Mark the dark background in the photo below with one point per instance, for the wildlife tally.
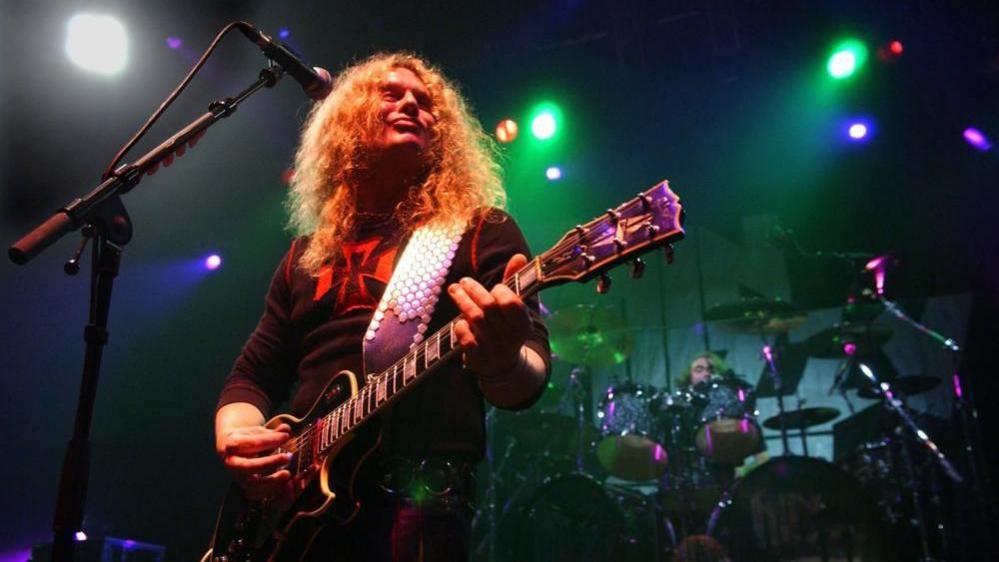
(727, 99)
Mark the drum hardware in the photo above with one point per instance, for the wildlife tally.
(909, 385)
(755, 315)
(762, 316)
(897, 406)
(801, 419)
(907, 423)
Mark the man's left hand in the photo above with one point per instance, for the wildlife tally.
(494, 324)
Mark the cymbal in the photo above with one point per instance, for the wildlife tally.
(543, 433)
(755, 315)
(833, 343)
(800, 419)
(908, 385)
(590, 335)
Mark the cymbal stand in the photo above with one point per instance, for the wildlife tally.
(768, 355)
(580, 396)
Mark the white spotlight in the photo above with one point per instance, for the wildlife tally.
(97, 43)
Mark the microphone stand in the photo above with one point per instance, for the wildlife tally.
(965, 406)
(108, 225)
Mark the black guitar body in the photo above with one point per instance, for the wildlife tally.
(283, 529)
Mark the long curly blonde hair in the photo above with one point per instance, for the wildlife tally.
(462, 176)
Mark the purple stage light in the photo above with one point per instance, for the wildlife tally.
(977, 139)
(213, 262)
(174, 42)
(858, 131)
(284, 33)
(80, 536)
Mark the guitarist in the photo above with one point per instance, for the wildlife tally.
(392, 148)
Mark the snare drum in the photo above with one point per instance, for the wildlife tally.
(728, 431)
(630, 447)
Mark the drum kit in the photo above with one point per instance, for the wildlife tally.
(639, 472)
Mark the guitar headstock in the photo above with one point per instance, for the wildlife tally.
(652, 219)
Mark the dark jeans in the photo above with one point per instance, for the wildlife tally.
(392, 528)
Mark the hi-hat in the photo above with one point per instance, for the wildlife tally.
(590, 335)
(756, 315)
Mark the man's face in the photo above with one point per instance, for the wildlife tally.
(700, 370)
(405, 109)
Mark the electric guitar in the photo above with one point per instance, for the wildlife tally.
(282, 529)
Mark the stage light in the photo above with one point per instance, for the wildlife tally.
(857, 130)
(977, 139)
(506, 131)
(890, 51)
(284, 33)
(543, 126)
(174, 42)
(97, 43)
(847, 57)
(553, 173)
(213, 262)
(80, 536)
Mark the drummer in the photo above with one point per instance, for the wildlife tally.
(709, 367)
(704, 367)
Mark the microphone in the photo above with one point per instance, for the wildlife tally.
(316, 81)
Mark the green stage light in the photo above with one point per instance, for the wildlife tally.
(545, 121)
(846, 59)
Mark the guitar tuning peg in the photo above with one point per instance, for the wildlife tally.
(603, 284)
(668, 252)
(637, 268)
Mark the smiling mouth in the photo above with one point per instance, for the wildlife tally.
(407, 125)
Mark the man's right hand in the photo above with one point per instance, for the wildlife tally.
(246, 448)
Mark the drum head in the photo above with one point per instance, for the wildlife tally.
(800, 508)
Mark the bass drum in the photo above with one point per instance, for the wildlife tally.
(573, 517)
(799, 508)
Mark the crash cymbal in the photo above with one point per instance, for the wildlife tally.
(756, 315)
(590, 335)
(543, 433)
(800, 419)
(846, 339)
(908, 385)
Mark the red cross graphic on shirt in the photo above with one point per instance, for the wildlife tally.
(363, 262)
